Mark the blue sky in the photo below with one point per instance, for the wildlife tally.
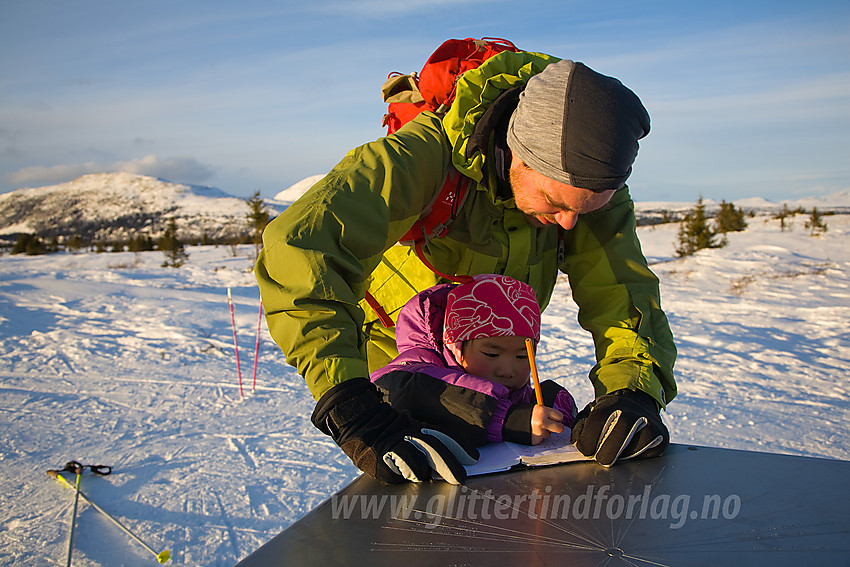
(746, 98)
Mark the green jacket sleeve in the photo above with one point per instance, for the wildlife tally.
(319, 253)
(619, 303)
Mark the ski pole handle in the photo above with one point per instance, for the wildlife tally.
(161, 557)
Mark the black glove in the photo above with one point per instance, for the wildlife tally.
(387, 445)
(618, 426)
(517, 425)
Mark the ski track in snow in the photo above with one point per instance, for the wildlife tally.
(111, 359)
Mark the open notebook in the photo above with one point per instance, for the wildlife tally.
(499, 457)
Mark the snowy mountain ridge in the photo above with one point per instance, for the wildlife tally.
(114, 206)
(834, 203)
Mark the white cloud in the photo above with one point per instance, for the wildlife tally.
(40, 175)
(183, 169)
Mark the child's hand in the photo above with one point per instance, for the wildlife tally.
(545, 421)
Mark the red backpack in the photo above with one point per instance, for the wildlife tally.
(434, 89)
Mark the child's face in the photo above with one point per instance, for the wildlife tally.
(500, 359)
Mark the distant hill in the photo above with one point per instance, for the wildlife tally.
(836, 202)
(651, 212)
(114, 207)
(109, 207)
(291, 194)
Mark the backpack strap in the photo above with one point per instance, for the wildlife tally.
(385, 319)
(432, 223)
(441, 211)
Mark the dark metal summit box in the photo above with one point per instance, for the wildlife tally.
(692, 506)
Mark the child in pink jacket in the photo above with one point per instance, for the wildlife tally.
(463, 364)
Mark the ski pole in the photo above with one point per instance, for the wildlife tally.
(235, 344)
(77, 468)
(161, 557)
(257, 347)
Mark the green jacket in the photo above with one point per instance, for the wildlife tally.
(325, 250)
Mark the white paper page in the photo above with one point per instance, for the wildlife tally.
(494, 457)
(498, 457)
(554, 443)
(554, 449)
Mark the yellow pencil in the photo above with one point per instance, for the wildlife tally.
(529, 346)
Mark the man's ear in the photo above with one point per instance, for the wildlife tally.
(515, 159)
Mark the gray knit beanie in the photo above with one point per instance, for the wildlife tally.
(578, 127)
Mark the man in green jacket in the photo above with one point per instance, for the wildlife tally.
(548, 145)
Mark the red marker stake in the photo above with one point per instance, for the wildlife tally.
(235, 344)
(257, 348)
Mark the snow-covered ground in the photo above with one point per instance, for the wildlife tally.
(111, 359)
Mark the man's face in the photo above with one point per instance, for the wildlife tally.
(545, 201)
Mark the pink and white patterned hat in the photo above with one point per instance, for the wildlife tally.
(490, 306)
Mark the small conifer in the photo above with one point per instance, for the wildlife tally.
(729, 219)
(175, 254)
(815, 223)
(696, 233)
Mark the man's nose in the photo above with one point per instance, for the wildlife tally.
(566, 219)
